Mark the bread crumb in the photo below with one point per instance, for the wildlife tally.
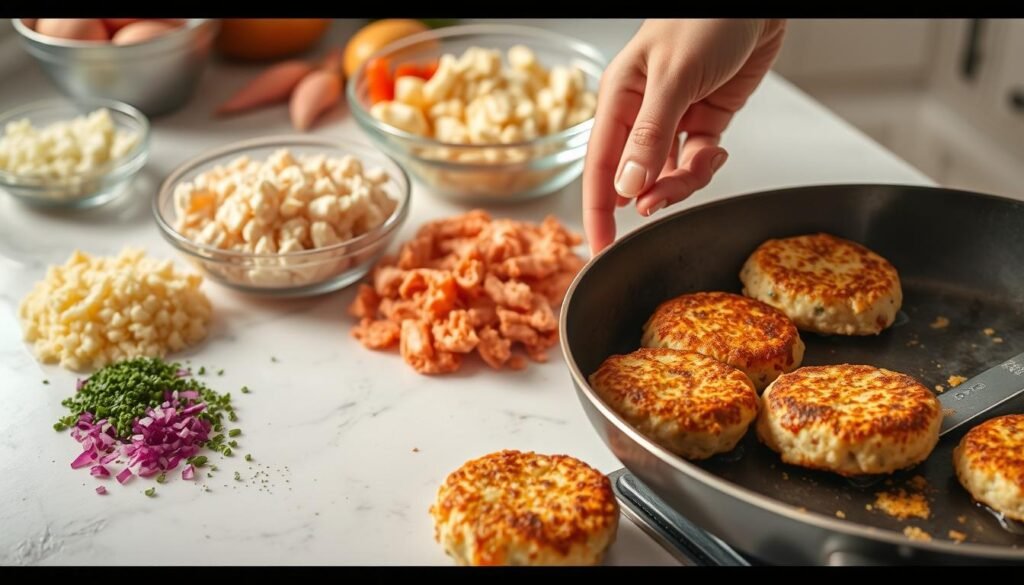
(940, 322)
(918, 482)
(955, 380)
(948, 412)
(939, 388)
(915, 533)
(868, 507)
(912, 343)
(989, 331)
(957, 536)
(801, 509)
(997, 340)
(785, 476)
(840, 514)
(961, 519)
(901, 504)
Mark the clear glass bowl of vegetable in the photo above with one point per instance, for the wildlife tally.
(478, 173)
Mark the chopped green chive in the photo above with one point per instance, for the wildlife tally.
(273, 359)
(150, 492)
(233, 444)
(202, 370)
(238, 476)
(122, 393)
(197, 460)
(248, 456)
(234, 432)
(162, 478)
(46, 381)
(220, 372)
(245, 390)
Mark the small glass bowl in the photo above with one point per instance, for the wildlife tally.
(305, 273)
(463, 172)
(83, 190)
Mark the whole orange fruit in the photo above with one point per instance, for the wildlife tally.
(258, 39)
(376, 35)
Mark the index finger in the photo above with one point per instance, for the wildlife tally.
(616, 109)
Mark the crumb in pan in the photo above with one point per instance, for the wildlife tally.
(915, 533)
(955, 380)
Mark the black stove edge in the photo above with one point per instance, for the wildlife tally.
(680, 537)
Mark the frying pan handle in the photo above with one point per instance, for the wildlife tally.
(982, 393)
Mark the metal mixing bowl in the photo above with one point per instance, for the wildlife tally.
(156, 76)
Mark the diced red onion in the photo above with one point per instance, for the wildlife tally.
(101, 490)
(84, 458)
(124, 476)
(161, 439)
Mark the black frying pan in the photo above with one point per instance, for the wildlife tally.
(959, 254)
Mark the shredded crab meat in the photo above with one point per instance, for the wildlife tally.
(469, 284)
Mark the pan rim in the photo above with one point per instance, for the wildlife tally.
(729, 488)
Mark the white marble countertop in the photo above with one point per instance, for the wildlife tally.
(356, 443)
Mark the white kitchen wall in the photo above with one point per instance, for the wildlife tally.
(902, 82)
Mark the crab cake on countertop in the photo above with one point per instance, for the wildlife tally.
(515, 508)
(825, 284)
(989, 463)
(692, 405)
(850, 419)
(745, 333)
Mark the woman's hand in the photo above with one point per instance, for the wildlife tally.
(674, 76)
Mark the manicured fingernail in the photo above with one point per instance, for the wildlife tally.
(656, 207)
(631, 180)
(718, 161)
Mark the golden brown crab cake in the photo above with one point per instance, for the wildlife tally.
(747, 334)
(692, 405)
(515, 508)
(825, 284)
(850, 419)
(989, 463)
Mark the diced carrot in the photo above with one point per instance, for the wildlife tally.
(381, 84)
(425, 71)
(407, 70)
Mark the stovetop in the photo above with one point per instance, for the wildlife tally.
(689, 544)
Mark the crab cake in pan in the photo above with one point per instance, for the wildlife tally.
(825, 284)
(745, 333)
(692, 405)
(515, 508)
(850, 419)
(989, 463)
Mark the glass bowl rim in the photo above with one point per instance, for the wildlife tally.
(28, 183)
(214, 254)
(571, 43)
